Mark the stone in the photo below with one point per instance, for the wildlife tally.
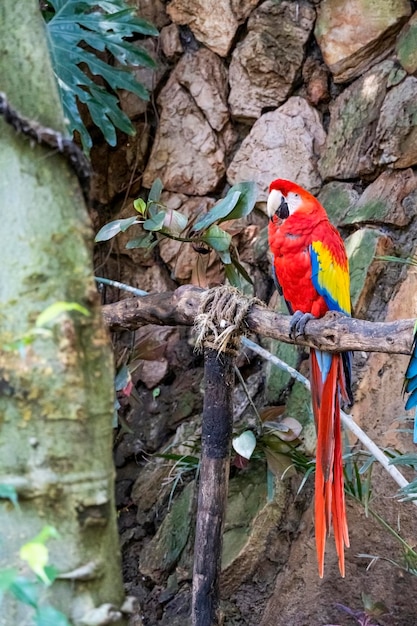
(213, 22)
(353, 35)
(386, 200)
(316, 78)
(276, 379)
(149, 358)
(379, 400)
(181, 257)
(190, 263)
(299, 407)
(114, 168)
(170, 41)
(152, 278)
(251, 526)
(153, 11)
(188, 154)
(363, 248)
(147, 486)
(396, 134)
(406, 46)
(151, 373)
(128, 159)
(130, 103)
(204, 76)
(247, 497)
(284, 143)
(266, 63)
(163, 551)
(338, 199)
(242, 408)
(350, 145)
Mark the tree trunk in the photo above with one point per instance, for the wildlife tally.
(56, 401)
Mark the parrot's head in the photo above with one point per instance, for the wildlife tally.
(286, 198)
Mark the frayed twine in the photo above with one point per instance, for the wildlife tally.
(221, 319)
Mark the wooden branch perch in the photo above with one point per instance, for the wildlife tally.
(332, 333)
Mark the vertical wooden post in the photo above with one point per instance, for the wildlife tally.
(214, 478)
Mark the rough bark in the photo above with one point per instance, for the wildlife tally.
(216, 436)
(56, 400)
(332, 333)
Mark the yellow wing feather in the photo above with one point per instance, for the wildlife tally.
(330, 277)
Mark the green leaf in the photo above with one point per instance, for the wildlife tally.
(48, 616)
(220, 210)
(245, 444)
(122, 378)
(51, 573)
(232, 275)
(246, 202)
(239, 267)
(110, 230)
(140, 206)
(225, 257)
(145, 241)
(36, 555)
(76, 28)
(25, 590)
(155, 191)
(174, 222)
(7, 576)
(217, 238)
(155, 222)
(53, 311)
(8, 492)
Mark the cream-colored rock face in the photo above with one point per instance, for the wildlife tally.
(265, 64)
(282, 144)
(213, 22)
(354, 34)
(188, 153)
(350, 146)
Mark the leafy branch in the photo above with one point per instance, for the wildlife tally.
(157, 221)
(74, 28)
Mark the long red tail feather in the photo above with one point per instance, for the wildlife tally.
(327, 381)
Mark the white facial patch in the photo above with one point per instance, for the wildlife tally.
(293, 200)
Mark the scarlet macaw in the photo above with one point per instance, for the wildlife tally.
(410, 383)
(312, 273)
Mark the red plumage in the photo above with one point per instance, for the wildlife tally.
(311, 268)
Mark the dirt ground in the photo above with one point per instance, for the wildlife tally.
(280, 586)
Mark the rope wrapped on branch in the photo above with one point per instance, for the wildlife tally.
(332, 333)
(220, 322)
(221, 319)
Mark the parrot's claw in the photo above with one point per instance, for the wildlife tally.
(298, 323)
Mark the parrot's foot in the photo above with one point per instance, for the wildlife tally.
(298, 323)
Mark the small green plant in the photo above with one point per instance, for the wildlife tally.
(156, 221)
(43, 324)
(182, 466)
(358, 474)
(408, 460)
(76, 31)
(366, 616)
(277, 441)
(30, 590)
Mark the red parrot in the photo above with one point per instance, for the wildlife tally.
(312, 273)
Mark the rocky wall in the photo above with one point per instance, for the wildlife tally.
(323, 93)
